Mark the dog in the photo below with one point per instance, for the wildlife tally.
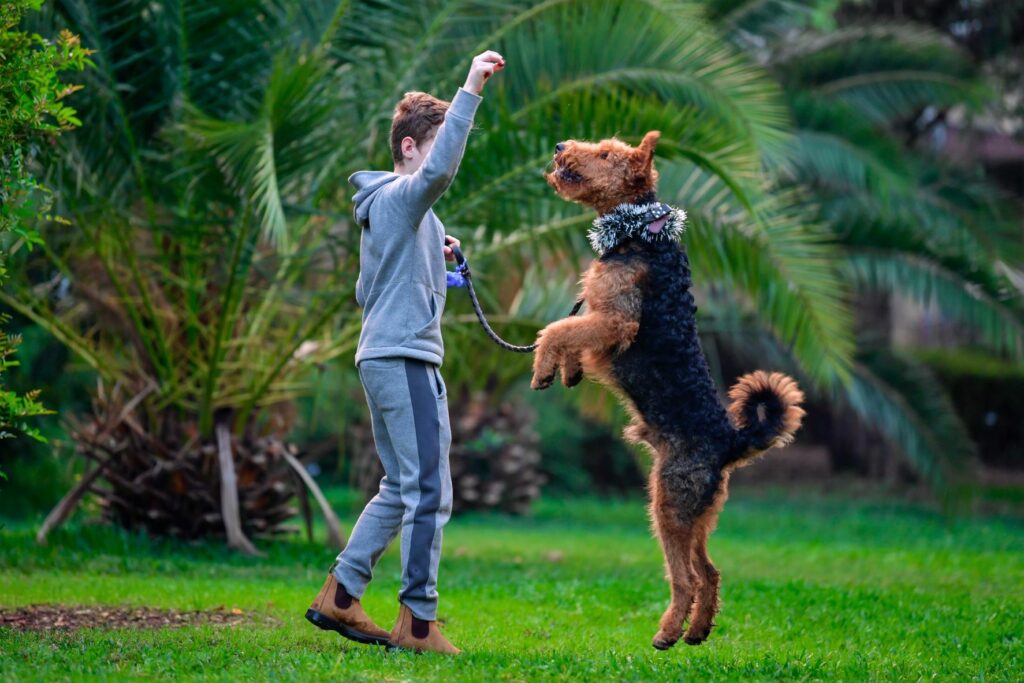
(639, 337)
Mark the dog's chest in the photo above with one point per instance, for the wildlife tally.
(664, 371)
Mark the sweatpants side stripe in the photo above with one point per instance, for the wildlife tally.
(428, 445)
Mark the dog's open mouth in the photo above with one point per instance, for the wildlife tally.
(568, 175)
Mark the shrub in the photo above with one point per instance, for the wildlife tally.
(32, 109)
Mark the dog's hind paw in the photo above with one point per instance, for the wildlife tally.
(698, 633)
(661, 643)
(695, 638)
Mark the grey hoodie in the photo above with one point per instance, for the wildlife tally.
(401, 284)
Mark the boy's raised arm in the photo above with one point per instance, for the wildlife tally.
(428, 183)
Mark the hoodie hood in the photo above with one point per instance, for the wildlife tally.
(367, 183)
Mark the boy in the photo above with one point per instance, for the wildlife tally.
(402, 290)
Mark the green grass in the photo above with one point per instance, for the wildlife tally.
(813, 588)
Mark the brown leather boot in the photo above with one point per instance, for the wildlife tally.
(335, 610)
(411, 633)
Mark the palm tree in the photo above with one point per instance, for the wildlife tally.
(906, 223)
(186, 295)
(211, 261)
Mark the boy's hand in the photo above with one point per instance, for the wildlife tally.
(485, 65)
(449, 255)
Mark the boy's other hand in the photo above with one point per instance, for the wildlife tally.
(484, 65)
(449, 255)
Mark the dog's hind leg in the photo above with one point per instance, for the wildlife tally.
(676, 541)
(705, 604)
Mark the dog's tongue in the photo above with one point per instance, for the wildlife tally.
(657, 225)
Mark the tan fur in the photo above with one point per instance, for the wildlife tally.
(788, 392)
(705, 605)
(693, 579)
(613, 172)
(677, 540)
(586, 343)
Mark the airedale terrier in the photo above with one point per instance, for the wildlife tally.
(639, 337)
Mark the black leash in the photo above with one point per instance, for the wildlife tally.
(462, 268)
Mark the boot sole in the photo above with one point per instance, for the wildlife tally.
(416, 651)
(327, 624)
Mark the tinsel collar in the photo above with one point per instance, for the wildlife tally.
(650, 222)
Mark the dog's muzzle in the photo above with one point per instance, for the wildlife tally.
(568, 175)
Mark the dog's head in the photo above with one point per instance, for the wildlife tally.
(604, 174)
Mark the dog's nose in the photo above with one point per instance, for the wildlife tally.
(560, 147)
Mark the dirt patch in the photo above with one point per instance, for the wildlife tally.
(51, 617)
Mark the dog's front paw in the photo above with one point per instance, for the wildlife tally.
(572, 372)
(539, 383)
(545, 365)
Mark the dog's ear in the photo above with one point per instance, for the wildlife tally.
(643, 156)
(646, 148)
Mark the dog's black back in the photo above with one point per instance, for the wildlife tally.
(665, 374)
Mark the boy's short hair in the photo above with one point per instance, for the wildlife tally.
(417, 115)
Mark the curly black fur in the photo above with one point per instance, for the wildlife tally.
(666, 376)
(763, 429)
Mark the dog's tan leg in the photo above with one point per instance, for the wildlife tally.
(706, 602)
(705, 605)
(676, 541)
(545, 364)
(614, 298)
(562, 343)
(572, 370)
(551, 346)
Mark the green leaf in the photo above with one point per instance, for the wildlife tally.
(899, 396)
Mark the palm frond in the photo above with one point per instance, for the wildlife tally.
(928, 282)
(860, 174)
(901, 398)
(660, 48)
(787, 272)
(886, 73)
(267, 156)
(750, 20)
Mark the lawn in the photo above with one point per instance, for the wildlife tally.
(813, 588)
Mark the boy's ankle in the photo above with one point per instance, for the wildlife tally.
(421, 635)
(335, 609)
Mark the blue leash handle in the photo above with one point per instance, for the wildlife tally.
(460, 276)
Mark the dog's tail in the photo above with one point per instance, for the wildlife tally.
(766, 411)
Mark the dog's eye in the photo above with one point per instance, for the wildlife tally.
(604, 155)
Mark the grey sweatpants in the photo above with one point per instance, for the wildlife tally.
(409, 411)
